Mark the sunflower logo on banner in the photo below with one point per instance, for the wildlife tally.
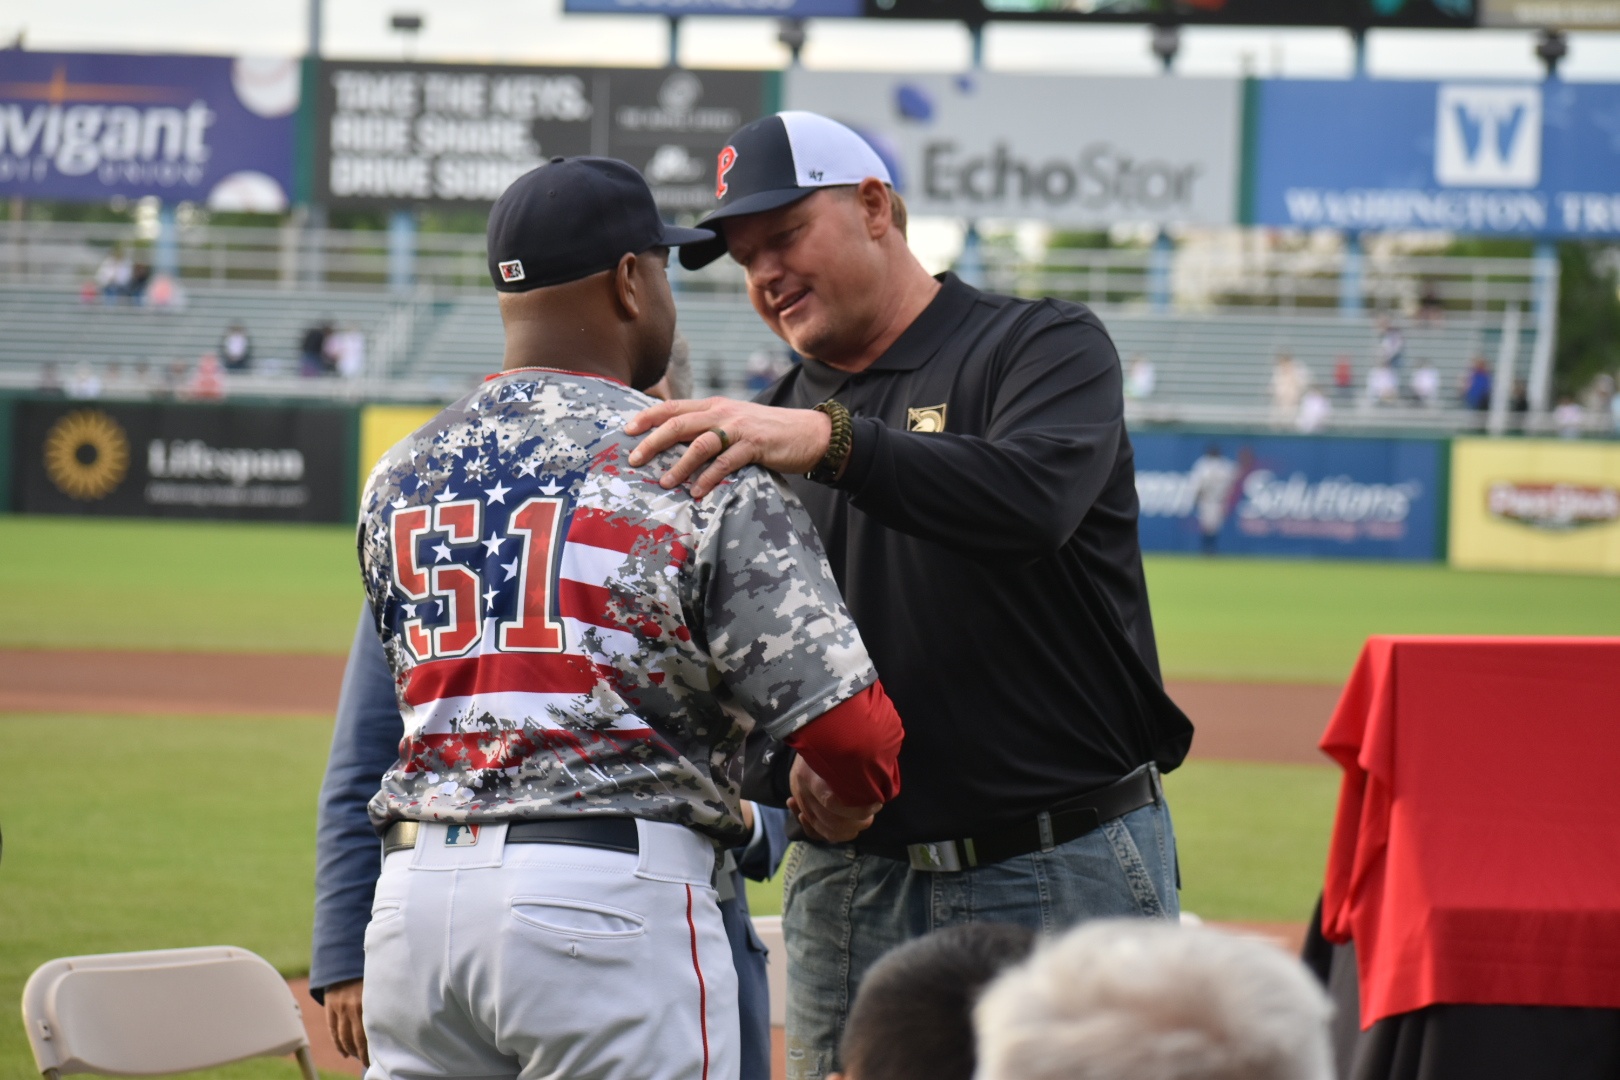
(86, 455)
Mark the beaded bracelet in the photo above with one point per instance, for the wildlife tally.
(843, 435)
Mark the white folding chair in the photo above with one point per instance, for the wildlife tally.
(153, 1013)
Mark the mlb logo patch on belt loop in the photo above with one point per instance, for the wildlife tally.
(461, 836)
(511, 270)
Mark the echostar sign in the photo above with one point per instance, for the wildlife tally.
(1087, 152)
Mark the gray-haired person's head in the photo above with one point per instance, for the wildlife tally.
(1126, 999)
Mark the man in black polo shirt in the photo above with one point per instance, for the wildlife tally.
(973, 483)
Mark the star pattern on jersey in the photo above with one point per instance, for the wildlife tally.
(511, 569)
(551, 488)
(399, 503)
(444, 496)
(498, 493)
(489, 597)
(441, 553)
(410, 610)
(527, 468)
(493, 544)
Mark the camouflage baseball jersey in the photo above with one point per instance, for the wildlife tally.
(568, 637)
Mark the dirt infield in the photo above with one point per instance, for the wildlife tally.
(1270, 722)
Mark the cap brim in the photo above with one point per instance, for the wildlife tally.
(673, 236)
(698, 255)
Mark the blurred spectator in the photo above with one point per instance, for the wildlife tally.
(1519, 400)
(208, 381)
(165, 294)
(1344, 378)
(1476, 393)
(913, 1016)
(50, 379)
(1140, 998)
(113, 275)
(1141, 379)
(236, 348)
(1425, 383)
(312, 359)
(347, 352)
(139, 278)
(1391, 343)
(765, 366)
(1212, 478)
(1431, 309)
(1383, 385)
(1288, 381)
(1314, 409)
(1569, 419)
(84, 382)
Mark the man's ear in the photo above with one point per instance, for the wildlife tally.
(873, 195)
(624, 286)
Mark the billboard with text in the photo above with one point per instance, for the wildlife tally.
(86, 127)
(404, 134)
(1323, 497)
(1087, 152)
(1526, 159)
(1535, 504)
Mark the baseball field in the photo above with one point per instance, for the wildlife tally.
(165, 697)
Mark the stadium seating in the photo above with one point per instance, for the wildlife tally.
(434, 347)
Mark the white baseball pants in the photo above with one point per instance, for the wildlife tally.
(550, 961)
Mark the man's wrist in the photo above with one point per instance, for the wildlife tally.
(840, 439)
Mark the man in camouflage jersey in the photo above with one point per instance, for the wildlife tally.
(578, 656)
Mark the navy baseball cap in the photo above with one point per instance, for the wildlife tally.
(571, 218)
(779, 160)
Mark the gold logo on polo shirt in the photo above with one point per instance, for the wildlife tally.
(927, 418)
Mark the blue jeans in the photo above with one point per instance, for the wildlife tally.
(842, 910)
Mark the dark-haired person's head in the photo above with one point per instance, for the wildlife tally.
(579, 254)
(913, 1016)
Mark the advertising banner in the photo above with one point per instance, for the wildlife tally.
(1087, 152)
(446, 135)
(777, 9)
(381, 426)
(260, 463)
(1567, 14)
(1341, 498)
(1535, 504)
(84, 127)
(1524, 159)
(1458, 14)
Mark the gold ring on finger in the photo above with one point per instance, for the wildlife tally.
(725, 440)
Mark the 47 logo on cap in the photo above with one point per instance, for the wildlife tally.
(728, 158)
(511, 270)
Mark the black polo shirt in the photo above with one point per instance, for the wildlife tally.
(984, 536)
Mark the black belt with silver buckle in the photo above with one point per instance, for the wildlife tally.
(1058, 824)
(612, 833)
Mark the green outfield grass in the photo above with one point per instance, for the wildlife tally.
(143, 833)
(72, 582)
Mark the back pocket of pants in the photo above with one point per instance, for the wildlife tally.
(576, 918)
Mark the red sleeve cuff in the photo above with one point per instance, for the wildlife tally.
(855, 747)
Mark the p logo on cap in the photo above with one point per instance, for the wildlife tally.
(511, 270)
(728, 158)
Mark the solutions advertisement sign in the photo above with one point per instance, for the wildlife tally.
(1084, 152)
(399, 134)
(1535, 504)
(1291, 495)
(84, 127)
(1525, 159)
(261, 463)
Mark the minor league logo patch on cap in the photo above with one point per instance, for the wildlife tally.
(728, 158)
(511, 270)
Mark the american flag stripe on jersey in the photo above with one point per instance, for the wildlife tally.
(597, 632)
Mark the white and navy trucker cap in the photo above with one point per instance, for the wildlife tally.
(778, 160)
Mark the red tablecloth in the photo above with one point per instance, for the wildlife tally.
(1476, 853)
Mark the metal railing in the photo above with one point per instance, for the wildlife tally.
(1195, 277)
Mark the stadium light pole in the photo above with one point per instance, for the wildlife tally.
(315, 212)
